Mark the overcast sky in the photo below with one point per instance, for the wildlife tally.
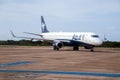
(99, 16)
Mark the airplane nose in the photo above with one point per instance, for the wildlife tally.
(99, 42)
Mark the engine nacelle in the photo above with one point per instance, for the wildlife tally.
(58, 44)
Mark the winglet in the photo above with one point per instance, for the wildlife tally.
(12, 33)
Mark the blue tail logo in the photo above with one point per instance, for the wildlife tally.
(43, 25)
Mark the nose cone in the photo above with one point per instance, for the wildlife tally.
(98, 42)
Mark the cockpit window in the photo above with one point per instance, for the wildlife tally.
(95, 36)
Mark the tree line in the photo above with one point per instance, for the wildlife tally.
(45, 43)
(25, 43)
(111, 44)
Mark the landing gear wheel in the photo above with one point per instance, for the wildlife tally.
(92, 50)
(55, 48)
(75, 48)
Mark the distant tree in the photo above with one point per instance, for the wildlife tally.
(46, 43)
(111, 44)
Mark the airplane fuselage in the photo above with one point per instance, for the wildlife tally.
(84, 37)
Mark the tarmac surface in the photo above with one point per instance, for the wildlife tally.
(42, 63)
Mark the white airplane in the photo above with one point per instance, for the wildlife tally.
(59, 39)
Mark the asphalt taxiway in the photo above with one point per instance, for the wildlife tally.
(42, 63)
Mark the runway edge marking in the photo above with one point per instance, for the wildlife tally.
(10, 64)
(64, 72)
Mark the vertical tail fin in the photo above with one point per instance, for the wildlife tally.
(43, 25)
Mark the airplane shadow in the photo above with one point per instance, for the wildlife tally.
(95, 51)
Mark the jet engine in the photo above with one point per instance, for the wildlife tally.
(58, 44)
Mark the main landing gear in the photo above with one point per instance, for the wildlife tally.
(75, 48)
(92, 50)
(55, 48)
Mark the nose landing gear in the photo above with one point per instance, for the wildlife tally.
(89, 47)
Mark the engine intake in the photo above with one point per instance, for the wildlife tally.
(58, 44)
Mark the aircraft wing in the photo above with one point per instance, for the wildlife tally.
(63, 40)
(33, 34)
(40, 39)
